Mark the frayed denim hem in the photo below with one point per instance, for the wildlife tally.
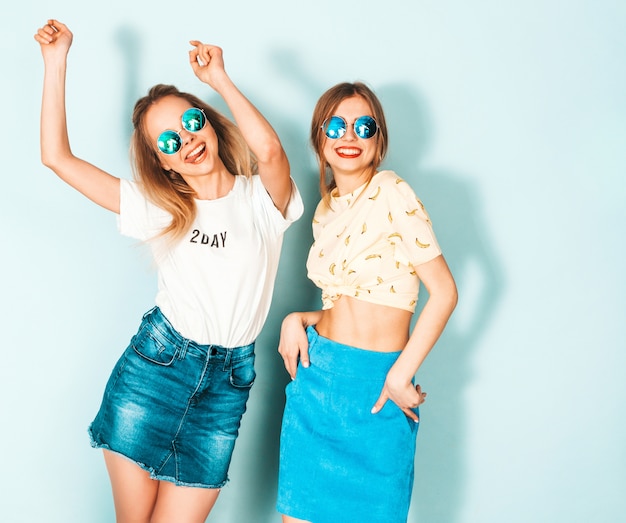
(151, 471)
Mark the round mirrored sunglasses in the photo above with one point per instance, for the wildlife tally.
(170, 142)
(335, 127)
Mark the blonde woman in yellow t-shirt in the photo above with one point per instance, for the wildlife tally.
(351, 417)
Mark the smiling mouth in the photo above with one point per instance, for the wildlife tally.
(197, 154)
(348, 152)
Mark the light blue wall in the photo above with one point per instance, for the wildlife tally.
(509, 119)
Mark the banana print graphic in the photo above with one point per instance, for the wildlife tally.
(427, 218)
(364, 245)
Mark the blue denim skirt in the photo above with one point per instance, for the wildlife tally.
(173, 406)
(338, 461)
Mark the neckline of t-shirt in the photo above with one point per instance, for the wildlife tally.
(228, 195)
(354, 194)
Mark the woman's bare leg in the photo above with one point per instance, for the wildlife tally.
(134, 492)
(289, 519)
(183, 504)
(140, 499)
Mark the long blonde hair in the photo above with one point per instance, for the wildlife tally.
(167, 189)
(325, 108)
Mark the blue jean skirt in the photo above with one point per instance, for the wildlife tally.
(173, 406)
(338, 461)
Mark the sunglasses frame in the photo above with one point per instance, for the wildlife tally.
(169, 135)
(342, 131)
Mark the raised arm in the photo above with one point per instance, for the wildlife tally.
(55, 40)
(208, 65)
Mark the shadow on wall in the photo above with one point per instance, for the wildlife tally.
(455, 209)
(128, 43)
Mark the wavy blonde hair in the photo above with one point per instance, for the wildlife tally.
(325, 108)
(167, 189)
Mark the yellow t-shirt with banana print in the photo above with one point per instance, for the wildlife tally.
(367, 243)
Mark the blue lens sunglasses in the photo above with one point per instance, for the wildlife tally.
(193, 120)
(335, 127)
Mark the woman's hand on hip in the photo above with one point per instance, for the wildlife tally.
(294, 343)
(403, 393)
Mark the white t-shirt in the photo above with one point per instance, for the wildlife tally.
(215, 284)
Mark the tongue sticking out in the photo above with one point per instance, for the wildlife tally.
(197, 154)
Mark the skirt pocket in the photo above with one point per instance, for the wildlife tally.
(242, 373)
(150, 345)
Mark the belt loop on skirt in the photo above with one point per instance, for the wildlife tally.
(182, 352)
(228, 358)
(147, 313)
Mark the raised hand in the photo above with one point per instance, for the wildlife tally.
(55, 39)
(207, 63)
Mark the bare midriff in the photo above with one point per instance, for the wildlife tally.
(365, 325)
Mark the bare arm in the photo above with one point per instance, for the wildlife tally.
(294, 344)
(442, 300)
(55, 40)
(208, 65)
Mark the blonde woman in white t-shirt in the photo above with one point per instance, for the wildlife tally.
(212, 200)
(351, 417)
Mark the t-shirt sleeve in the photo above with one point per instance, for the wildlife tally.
(274, 218)
(138, 217)
(411, 229)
